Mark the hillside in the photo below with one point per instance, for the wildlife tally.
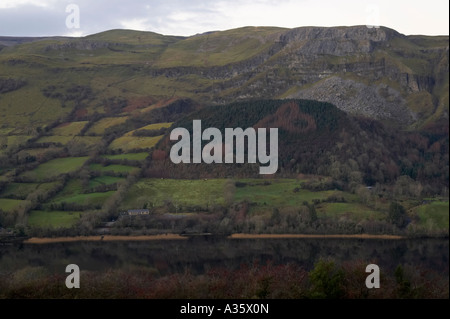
(374, 72)
(84, 120)
(317, 138)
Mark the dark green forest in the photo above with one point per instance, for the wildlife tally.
(318, 139)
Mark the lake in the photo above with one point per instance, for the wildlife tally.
(200, 254)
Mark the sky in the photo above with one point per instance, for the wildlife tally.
(185, 18)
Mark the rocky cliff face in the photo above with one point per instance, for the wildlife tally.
(364, 71)
(377, 101)
(339, 41)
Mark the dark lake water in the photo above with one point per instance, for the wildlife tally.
(201, 254)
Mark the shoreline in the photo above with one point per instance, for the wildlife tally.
(306, 236)
(49, 240)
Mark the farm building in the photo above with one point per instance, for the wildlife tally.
(136, 212)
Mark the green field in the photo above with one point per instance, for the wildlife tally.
(434, 215)
(354, 211)
(87, 200)
(8, 205)
(99, 127)
(180, 192)
(104, 180)
(69, 129)
(73, 192)
(73, 187)
(64, 139)
(127, 156)
(263, 194)
(9, 142)
(116, 168)
(128, 143)
(54, 168)
(22, 190)
(87, 140)
(150, 127)
(57, 139)
(277, 192)
(54, 219)
(38, 152)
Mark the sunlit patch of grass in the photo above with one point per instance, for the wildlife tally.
(56, 219)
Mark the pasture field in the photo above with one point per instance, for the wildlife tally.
(89, 141)
(277, 192)
(104, 180)
(200, 193)
(434, 214)
(116, 168)
(99, 127)
(19, 190)
(54, 168)
(56, 139)
(12, 141)
(69, 129)
(128, 143)
(74, 191)
(8, 205)
(72, 187)
(264, 195)
(128, 156)
(38, 152)
(150, 127)
(22, 190)
(92, 200)
(55, 219)
(65, 139)
(354, 211)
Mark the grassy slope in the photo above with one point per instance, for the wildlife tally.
(104, 180)
(55, 167)
(434, 215)
(100, 126)
(22, 190)
(69, 129)
(112, 168)
(88, 200)
(129, 156)
(114, 64)
(219, 48)
(277, 193)
(156, 191)
(55, 219)
(8, 205)
(129, 143)
(120, 71)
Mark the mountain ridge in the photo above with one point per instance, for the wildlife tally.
(393, 70)
(375, 72)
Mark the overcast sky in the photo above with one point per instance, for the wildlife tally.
(178, 17)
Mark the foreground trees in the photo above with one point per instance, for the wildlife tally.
(326, 280)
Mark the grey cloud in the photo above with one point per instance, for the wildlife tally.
(31, 21)
(98, 16)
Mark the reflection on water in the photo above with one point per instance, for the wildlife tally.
(201, 254)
